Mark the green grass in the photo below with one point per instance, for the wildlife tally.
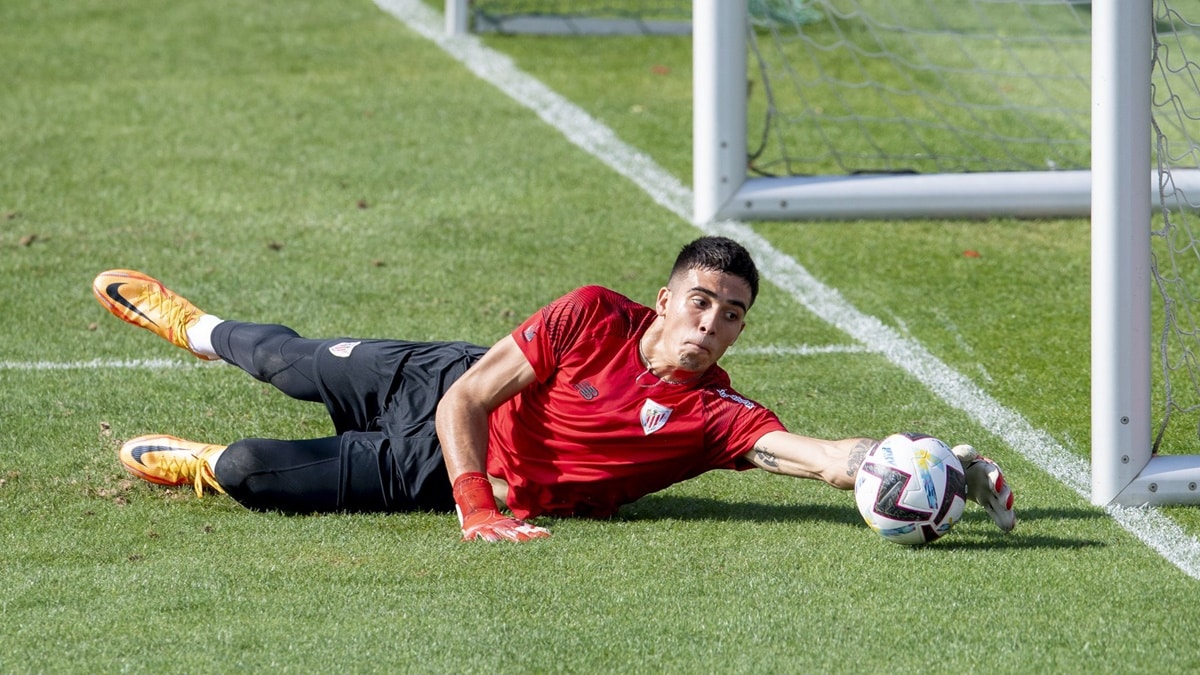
(230, 147)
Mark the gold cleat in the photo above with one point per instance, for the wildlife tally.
(167, 460)
(143, 301)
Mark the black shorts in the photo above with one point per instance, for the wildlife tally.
(382, 396)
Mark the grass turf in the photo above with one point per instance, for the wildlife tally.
(318, 165)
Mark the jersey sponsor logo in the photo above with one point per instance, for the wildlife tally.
(747, 403)
(529, 333)
(587, 390)
(343, 349)
(654, 416)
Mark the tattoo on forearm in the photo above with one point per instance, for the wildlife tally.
(857, 454)
(766, 457)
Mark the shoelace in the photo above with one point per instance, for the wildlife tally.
(204, 474)
(192, 468)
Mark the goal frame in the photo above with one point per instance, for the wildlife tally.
(460, 21)
(1125, 470)
(1115, 193)
(724, 191)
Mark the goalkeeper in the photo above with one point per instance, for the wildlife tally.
(591, 403)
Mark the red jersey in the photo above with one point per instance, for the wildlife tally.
(596, 430)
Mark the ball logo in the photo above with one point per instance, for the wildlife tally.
(893, 483)
(654, 416)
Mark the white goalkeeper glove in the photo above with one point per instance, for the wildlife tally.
(987, 487)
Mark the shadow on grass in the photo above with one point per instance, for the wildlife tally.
(666, 507)
(669, 507)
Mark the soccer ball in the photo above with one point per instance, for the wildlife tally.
(911, 489)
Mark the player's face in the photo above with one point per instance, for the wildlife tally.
(704, 312)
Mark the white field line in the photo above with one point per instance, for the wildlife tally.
(797, 350)
(1147, 524)
(98, 364)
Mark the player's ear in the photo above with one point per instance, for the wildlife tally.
(664, 296)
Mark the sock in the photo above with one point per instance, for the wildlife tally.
(199, 335)
(211, 460)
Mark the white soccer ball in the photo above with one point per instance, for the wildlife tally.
(911, 489)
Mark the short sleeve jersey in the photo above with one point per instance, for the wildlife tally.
(596, 430)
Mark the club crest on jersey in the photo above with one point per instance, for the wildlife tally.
(343, 349)
(654, 416)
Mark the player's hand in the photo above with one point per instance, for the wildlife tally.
(495, 526)
(987, 487)
(479, 517)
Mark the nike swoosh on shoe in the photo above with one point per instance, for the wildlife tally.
(113, 292)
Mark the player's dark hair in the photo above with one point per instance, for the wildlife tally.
(719, 254)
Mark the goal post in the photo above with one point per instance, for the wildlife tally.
(1125, 469)
(1120, 245)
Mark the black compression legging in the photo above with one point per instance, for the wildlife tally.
(270, 353)
(295, 476)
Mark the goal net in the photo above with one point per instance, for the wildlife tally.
(1175, 251)
(899, 108)
(913, 86)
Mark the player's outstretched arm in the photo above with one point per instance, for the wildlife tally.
(462, 428)
(835, 462)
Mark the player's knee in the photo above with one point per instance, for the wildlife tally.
(269, 355)
(285, 361)
(235, 465)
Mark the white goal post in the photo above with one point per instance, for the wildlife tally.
(1124, 469)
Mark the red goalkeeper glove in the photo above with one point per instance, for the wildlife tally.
(479, 517)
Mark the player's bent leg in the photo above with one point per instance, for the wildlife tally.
(144, 301)
(168, 460)
(270, 353)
